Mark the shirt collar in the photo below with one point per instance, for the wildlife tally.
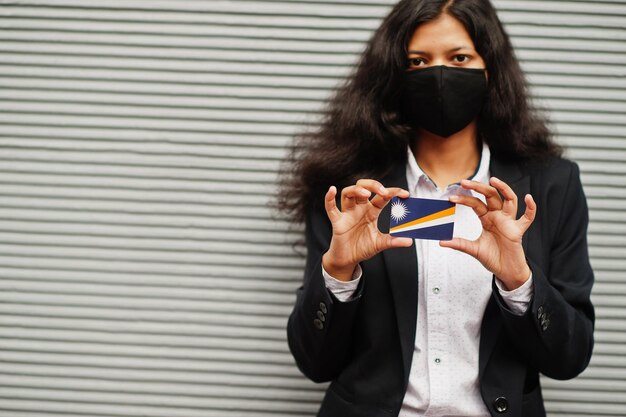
(414, 173)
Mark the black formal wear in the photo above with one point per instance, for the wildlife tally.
(365, 346)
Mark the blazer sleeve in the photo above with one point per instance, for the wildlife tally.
(556, 332)
(319, 327)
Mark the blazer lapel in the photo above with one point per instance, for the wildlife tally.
(401, 267)
(511, 174)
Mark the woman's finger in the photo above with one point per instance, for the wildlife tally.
(373, 186)
(349, 196)
(467, 246)
(529, 215)
(510, 198)
(330, 204)
(389, 242)
(380, 202)
(494, 202)
(476, 204)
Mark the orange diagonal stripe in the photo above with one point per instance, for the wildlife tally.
(434, 216)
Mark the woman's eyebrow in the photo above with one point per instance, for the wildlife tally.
(458, 48)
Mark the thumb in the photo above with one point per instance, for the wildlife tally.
(463, 245)
(396, 242)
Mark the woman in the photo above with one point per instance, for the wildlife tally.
(437, 108)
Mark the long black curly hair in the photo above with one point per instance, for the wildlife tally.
(362, 133)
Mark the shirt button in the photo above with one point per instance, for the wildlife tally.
(436, 290)
(437, 360)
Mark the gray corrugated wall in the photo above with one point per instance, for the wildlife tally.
(140, 271)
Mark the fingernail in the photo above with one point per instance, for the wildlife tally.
(382, 190)
(453, 198)
(365, 192)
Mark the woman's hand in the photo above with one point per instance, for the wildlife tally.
(499, 247)
(355, 231)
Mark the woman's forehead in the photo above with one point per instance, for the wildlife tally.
(443, 33)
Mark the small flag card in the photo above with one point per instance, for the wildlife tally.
(422, 218)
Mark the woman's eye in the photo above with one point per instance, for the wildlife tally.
(416, 62)
(461, 58)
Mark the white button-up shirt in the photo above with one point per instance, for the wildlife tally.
(453, 292)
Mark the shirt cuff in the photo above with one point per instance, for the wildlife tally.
(518, 299)
(343, 290)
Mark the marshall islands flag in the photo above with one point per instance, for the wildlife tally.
(422, 218)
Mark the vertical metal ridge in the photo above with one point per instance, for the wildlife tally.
(142, 269)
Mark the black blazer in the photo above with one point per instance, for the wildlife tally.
(365, 346)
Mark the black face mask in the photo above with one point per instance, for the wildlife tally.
(443, 100)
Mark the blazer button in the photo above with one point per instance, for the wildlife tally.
(321, 316)
(545, 325)
(318, 324)
(323, 308)
(540, 312)
(501, 404)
